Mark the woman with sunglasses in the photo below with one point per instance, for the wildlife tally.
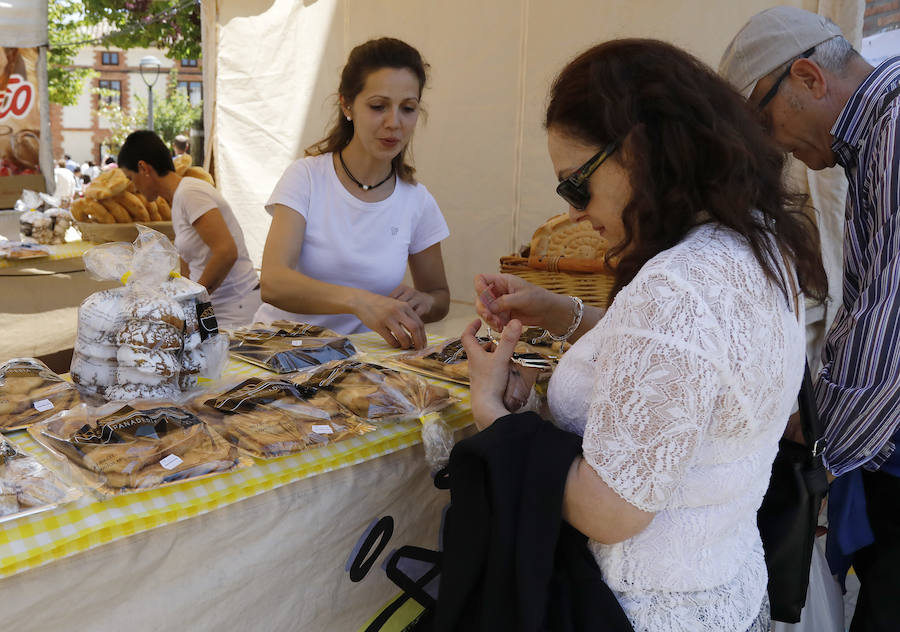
(682, 389)
(349, 217)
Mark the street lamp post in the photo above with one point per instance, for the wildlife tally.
(149, 66)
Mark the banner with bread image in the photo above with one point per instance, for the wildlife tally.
(20, 119)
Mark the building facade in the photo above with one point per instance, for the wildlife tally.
(79, 131)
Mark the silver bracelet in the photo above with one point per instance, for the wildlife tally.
(576, 321)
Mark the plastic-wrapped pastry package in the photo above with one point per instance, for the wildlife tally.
(262, 332)
(117, 448)
(269, 418)
(448, 361)
(28, 487)
(42, 220)
(31, 392)
(286, 354)
(375, 392)
(152, 338)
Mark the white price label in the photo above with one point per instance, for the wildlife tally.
(322, 429)
(171, 462)
(43, 405)
(297, 343)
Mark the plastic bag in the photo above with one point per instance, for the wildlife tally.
(437, 439)
(31, 392)
(377, 393)
(262, 332)
(26, 486)
(152, 339)
(289, 354)
(269, 418)
(824, 609)
(117, 448)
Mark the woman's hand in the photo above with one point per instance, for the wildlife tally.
(501, 297)
(419, 301)
(489, 372)
(394, 320)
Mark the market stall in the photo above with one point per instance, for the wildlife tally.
(269, 546)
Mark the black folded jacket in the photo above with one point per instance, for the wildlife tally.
(510, 562)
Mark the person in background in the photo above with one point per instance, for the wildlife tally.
(69, 163)
(181, 145)
(65, 183)
(94, 170)
(207, 234)
(826, 105)
(109, 163)
(78, 180)
(683, 387)
(349, 217)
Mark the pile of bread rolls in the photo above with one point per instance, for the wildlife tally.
(111, 198)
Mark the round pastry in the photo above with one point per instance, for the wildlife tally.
(116, 210)
(92, 372)
(162, 363)
(191, 320)
(154, 212)
(98, 212)
(132, 375)
(79, 210)
(95, 350)
(100, 315)
(157, 309)
(127, 392)
(134, 206)
(181, 162)
(108, 184)
(149, 335)
(193, 361)
(199, 173)
(165, 212)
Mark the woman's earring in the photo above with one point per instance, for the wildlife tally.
(348, 118)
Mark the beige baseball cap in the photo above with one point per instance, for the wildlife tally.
(770, 39)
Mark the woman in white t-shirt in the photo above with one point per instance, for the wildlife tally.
(682, 389)
(208, 236)
(350, 217)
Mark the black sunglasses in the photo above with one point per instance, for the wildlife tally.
(574, 189)
(774, 89)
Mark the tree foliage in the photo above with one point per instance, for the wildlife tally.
(65, 31)
(170, 25)
(172, 116)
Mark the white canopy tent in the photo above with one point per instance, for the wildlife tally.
(272, 67)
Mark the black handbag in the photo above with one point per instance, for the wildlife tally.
(789, 513)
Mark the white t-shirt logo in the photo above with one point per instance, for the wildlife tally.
(394, 230)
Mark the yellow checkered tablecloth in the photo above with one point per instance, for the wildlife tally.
(87, 523)
(70, 250)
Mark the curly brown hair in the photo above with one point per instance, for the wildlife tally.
(368, 57)
(695, 153)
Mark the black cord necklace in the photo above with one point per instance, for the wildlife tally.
(364, 187)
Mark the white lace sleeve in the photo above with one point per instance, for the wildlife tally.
(656, 380)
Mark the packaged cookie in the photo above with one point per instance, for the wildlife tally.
(26, 486)
(261, 332)
(375, 392)
(283, 354)
(269, 418)
(31, 392)
(120, 448)
(448, 360)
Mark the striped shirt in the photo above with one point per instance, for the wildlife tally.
(858, 389)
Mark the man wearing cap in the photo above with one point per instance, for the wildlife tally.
(823, 103)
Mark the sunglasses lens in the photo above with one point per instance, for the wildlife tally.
(577, 197)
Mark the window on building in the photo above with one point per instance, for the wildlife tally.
(193, 89)
(109, 59)
(189, 63)
(115, 86)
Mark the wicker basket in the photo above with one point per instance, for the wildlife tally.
(102, 233)
(548, 266)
